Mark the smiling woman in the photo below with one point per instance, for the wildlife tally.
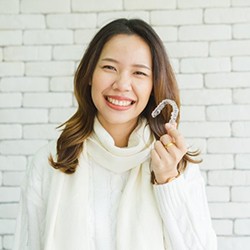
(117, 178)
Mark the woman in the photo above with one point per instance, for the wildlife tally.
(117, 178)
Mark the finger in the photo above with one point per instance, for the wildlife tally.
(165, 139)
(161, 150)
(178, 138)
(155, 157)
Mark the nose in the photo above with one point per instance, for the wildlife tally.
(122, 83)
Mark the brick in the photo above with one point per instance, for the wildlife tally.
(12, 163)
(7, 226)
(223, 227)
(227, 15)
(40, 131)
(189, 81)
(22, 22)
(10, 131)
(50, 68)
(227, 80)
(242, 161)
(216, 194)
(192, 113)
(9, 194)
(205, 129)
(13, 178)
(71, 21)
(205, 32)
(24, 84)
(45, 6)
(21, 147)
(73, 52)
(228, 145)
(11, 69)
(84, 36)
(217, 161)
(47, 100)
(10, 100)
(48, 37)
(206, 97)
(202, 3)
(23, 115)
(241, 31)
(241, 95)
(241, 63)
(106, 17)
(85, 6)
(240, 2)
(27, 53)
(205, 65)
(8, 241)
(176, 17)
(241, 194)
(8, 211)
(175, 65)
(229, 177)
(60, 115)
(10, 37)
(149, 5)
(167, 33)
(187, 49)
(242, 226)
(229, 210)
(230, 48)
(9, 6)
(62, 84)
(233, 243)
(228, 113)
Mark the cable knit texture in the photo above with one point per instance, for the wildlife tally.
(110, 204)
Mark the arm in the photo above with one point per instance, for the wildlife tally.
(184, 210)
(182, 201)
(30, 217)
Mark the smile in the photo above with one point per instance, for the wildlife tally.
(121, 103)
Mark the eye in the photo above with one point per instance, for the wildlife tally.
(109, 67)
(140, 73)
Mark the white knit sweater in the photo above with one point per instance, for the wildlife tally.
(182, 205)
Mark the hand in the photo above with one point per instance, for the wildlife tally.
(167, 153)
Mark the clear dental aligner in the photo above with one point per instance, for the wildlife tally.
(162, 105)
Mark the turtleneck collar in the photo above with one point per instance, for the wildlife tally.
(101, 147)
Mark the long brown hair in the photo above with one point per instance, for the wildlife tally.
(80, 125)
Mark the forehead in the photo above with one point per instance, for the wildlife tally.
(124, 47)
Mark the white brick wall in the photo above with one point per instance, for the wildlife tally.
(41, 43)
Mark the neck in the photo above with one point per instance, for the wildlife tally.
(120, 132)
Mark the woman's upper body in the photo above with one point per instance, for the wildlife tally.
(50, 201)
(122, 76)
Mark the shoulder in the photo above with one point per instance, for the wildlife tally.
(40, 160)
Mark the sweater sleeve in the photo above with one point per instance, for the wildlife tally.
(184, 210)
(30, 219)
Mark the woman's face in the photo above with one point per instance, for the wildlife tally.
(122, 80)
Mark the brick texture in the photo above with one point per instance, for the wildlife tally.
(208, 43)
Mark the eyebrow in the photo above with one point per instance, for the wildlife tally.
(134, 65)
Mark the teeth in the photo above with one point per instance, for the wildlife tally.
(118, 102)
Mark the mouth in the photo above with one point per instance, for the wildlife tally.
(120, 101)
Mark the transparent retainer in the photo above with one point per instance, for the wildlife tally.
(162, 105)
